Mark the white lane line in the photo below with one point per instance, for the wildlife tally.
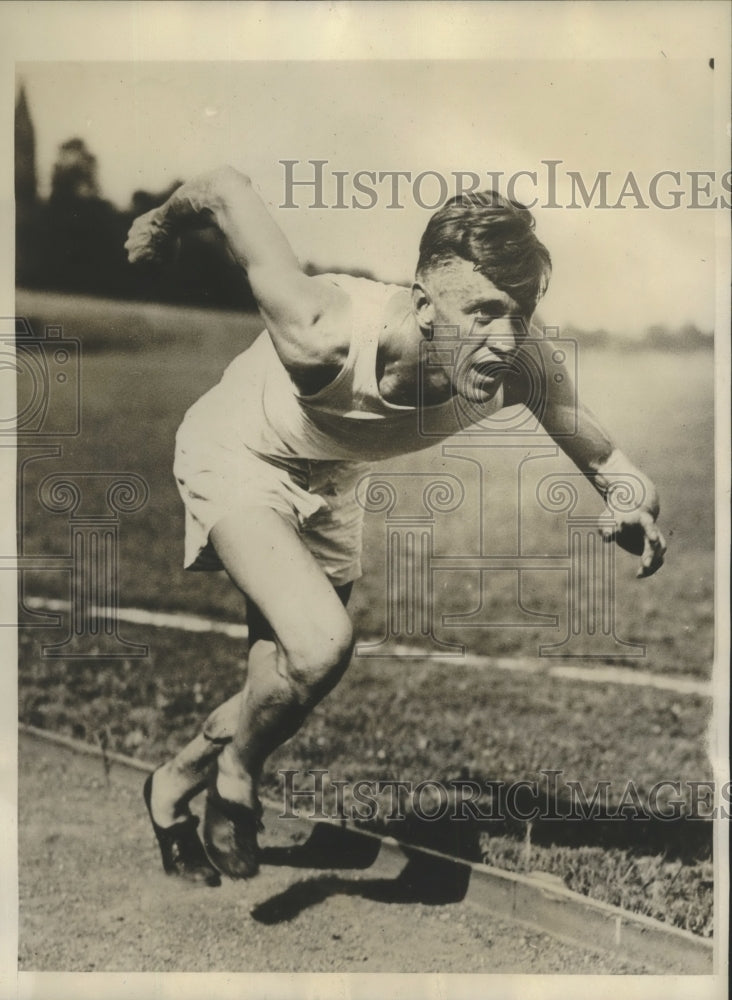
(601, 674)
(141, 616)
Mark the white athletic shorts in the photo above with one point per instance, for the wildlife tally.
(217, 477)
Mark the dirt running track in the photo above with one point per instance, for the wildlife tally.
(93, 898)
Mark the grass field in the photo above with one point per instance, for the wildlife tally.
(407, 719)
(143, 366)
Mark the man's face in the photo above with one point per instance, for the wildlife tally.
(481, 326)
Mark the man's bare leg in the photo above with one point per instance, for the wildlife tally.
(187, 774)
(192, 769)
(299, 657)
(288, 674)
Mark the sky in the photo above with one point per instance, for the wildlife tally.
(150, 123)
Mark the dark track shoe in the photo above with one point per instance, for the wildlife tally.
(230, 836)
(180, 847)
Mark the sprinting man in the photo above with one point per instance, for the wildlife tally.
(344, 374)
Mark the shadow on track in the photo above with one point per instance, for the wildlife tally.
(424, 879)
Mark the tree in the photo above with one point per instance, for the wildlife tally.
(74, 173)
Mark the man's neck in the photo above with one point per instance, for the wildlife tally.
(403, 375)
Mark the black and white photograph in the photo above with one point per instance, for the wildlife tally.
(365, 440)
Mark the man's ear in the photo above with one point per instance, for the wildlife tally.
(423, 307)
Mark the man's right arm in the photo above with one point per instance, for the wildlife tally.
(304, 315)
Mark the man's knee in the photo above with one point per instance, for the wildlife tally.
(316, 661)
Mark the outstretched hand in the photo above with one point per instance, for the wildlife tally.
(637, 532)
(150, 241)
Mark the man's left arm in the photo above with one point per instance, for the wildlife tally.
(581, 436)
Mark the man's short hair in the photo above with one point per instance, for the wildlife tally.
(497, 236)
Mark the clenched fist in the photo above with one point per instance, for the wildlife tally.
(151, 241)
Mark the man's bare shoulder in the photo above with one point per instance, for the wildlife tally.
(315, 350)
(329, 338)
(318, 352)
(348, 300)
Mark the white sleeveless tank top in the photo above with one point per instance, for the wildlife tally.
(347, 420)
